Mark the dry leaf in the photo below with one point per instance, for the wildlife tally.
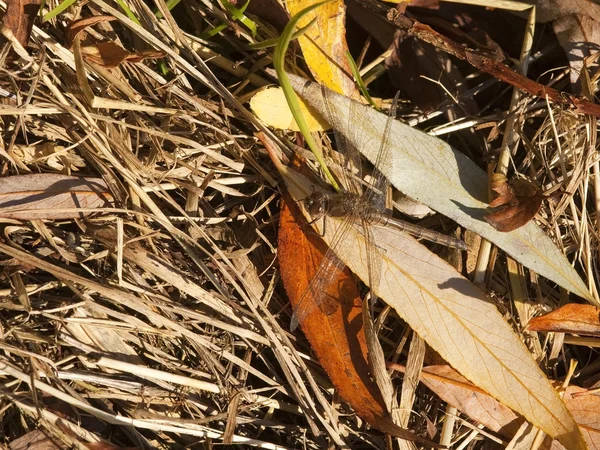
(457, 391)
(19, 18)
(51, 196)
(336, 335)
(109, 54)
(479, 406)
(271, 107)
(584, 405)
(571, 318)
(430, 171)
(454, 317)
(577, 27)
(34, 440)
(519, 202)
(77, 26)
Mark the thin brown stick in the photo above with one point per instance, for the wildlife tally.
(481, 61)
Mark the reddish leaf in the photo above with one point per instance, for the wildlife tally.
(584, 405)
(571, 318)
(51, 196)
(19, 18)
(519, 202)
(479, 406)
(457, 391)
(337, 338)
(77, 26)
(34, 440)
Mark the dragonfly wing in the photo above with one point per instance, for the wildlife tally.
(350, 164)
(374, 259)
(380, 184)
(319, 287)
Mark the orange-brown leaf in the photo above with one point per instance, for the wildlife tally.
(337, 337)
(51, 196)
(571, 318)
(584, 405)
(518, 203)
(106, 54)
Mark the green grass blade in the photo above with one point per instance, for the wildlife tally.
(273, 42)
(59, 9)
(238, 14)
(359, 81)
(290, 95)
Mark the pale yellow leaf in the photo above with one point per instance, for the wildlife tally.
(451, 314)
(271, 107)
(430, 171)
(454, 317)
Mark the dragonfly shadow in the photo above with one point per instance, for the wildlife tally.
(474, 213)
(472, 178)
(466, 288)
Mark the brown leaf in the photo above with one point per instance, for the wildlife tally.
(77, 26)
(479, 406)
(106, 54)
(19, 18)
(34, 440)
(110, 55)
(519, 202)
(457, 391)
(51, 196)
(584, 405)
(571, 318)
(337, 337)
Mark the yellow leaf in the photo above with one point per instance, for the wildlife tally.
(271, 107)
(324, 44)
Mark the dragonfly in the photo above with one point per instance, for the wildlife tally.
(357, 208)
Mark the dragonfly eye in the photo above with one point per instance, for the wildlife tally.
(315, 205)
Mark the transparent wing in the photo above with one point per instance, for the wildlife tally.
(350, 157)
(374, 260)
(379, 186)
(321, 281)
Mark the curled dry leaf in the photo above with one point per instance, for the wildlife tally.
(519, 201)
(571, 318)
(78, 26)
(106, 54)
(51, 196)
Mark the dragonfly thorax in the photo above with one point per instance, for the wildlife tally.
(319, 204)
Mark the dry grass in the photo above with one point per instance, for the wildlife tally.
(160, 323)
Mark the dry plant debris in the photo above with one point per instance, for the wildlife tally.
(140, 296)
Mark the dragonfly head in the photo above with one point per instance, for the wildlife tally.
(316, 204)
